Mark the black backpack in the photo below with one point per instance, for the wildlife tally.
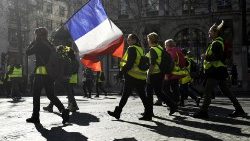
(194, 69)
(167, 64)
(144, 62)
(55, 64)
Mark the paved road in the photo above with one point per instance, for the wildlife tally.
(92, 122)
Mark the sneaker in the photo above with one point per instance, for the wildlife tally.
(49, 109)
(238, 114)
(198, 102)
(201, 114)
(158, 103)
(65, 116)
(173, 110)
(146, 118)
(33, 120)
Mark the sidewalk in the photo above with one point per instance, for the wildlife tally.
(92, 123)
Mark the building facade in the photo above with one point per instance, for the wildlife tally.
(187, 22)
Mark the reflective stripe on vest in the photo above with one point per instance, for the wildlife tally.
(73, 79)
(158, 60)
(187, 78)
(216, 64)
(41, 70)
(17, 72)
(134, 71)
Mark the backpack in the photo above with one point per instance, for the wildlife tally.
(144, 62)
(194, 69)
(167, 64)
(55, 64)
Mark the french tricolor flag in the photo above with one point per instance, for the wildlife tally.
(95, 34)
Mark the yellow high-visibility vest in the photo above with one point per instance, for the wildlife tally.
(73, 79)
(17, 72)
(216, 64)
(158, 60)
(134, 71)
(187, 78)
(41, 70)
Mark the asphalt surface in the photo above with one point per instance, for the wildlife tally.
(92, 123)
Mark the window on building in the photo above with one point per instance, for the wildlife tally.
(48, 24)
(61, 11)
(224, 4)
(11, 3)
(153, 5)
(12, 37)
(193, 40)
(39, 22)
(188, 7)
(49, 8)
(40, 5)
(124, 7)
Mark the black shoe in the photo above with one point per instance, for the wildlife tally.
(158, 103)
(147, 118)
(113, 114)
(182, 104)
(49, 109)
(201, 115)
(97, 96)
(65, 116)
(144, 114)
(106, 94)
(173, 110)
(238, 114)
(33, 120)
(198, 102)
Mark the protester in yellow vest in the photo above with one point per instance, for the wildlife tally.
(186, 82)
(15, 76)
(155, 76)
(100, 78)
(42, 48)
(134, 77)
(216, 73)
(70, 81)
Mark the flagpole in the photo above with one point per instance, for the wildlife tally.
(75, 13)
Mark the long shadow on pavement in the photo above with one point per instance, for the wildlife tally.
(83, 119)
(217, 114)
(59, 134)
(173, 131)
(207, 126)
(125, 139)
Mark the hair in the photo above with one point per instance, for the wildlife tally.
(135, 37)
(41, 33)
(153, 37)
(171, 42)
(218, 28)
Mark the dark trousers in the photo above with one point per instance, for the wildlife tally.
(130, 84)
(155, 85)
(211, 84)
(99, 86)
(16, 87)
(89, 86)
(186, 91)
(172, 89)
(40, 82)
(69, 89)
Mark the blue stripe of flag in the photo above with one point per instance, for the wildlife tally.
(86, 19)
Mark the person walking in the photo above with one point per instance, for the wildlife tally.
(100, 78)
(89, 81)
(41, 48)
(16, 81)
(70, 80)
(216, 74)
(155, 76)
(135, 78)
